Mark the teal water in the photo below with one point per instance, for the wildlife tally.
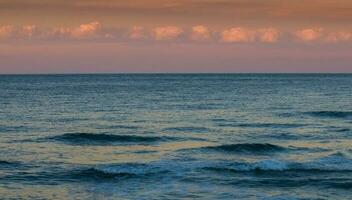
(176, 136)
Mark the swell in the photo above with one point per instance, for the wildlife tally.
(331, 114)
(106, 139)
(248, 148)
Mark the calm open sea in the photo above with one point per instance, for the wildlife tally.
(176, 136)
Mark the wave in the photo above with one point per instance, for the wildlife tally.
(3, 162)
(10, 164)
(336, 163)
(248, 148)
(118, 127)
(121, 170)
(106, 139)
(99, 174)
(6, 129)
(344, 185)
(261, 125)
(332, 163)
(343, 130)
(331, 114)
(188, 129)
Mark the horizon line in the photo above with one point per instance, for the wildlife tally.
(167, 73)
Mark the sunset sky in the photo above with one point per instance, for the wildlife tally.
(116, 36)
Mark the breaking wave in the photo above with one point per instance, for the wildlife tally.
(332, 163)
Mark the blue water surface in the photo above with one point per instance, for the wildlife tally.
(176, 136)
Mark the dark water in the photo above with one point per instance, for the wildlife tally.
(176, 136)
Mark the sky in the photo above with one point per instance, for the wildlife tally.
(176, 36)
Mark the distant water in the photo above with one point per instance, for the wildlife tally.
(180, 136)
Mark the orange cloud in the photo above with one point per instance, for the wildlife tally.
(6, 31)
(60, 32)
(29, 31)
(86, 30)
(137, 32)
(83, 31)
(200, 33)
(309, 34)
(167, 32)
(340, 36)
(269, 35)
(238, 34)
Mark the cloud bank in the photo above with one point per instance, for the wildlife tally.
(96, 31)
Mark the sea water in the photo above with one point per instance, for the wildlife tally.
(176, 136)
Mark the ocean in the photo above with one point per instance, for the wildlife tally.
(176, 136)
